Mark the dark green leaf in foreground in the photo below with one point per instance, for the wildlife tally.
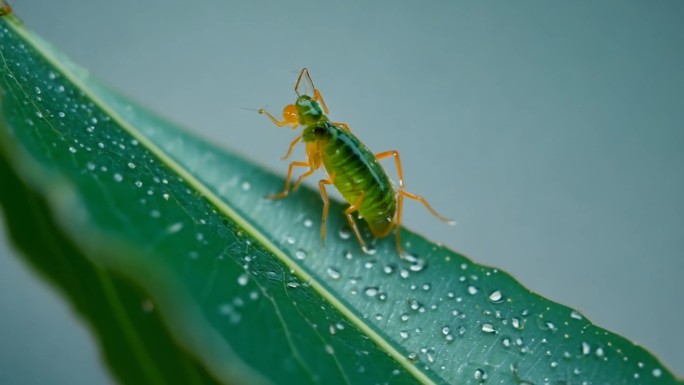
(166, 246)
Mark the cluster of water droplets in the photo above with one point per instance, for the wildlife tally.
(432, 320)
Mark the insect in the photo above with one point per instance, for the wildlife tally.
(351, 167)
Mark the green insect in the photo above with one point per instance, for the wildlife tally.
(351, 167)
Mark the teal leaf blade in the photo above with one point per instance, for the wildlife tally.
(245, 285)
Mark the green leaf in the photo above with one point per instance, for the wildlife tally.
(164, 243)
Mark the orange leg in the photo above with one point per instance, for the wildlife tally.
(427, 206)
(352, 223)
(317, 94)
(326, 203)
(301, 177)
(286, 191)
(403, 193)
(292, 146)
(319, 97)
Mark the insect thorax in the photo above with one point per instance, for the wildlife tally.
(309, 110)
(320, 131)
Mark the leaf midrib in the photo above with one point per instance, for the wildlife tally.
(221, 206)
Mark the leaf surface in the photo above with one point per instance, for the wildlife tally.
(167, 246)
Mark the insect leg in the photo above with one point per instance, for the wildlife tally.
(352, 223)
(403, 193)
(407, 194)
(292, 146)
(326, 203)
(286, 191)
(317, 94)
(319, 98)
(314, 158)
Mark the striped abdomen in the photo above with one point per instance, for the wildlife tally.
(356, 171)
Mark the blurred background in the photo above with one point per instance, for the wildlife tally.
(552, 132)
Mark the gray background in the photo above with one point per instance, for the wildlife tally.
(552, 131)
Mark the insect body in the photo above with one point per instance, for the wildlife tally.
(352, 168)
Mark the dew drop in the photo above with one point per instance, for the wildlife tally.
(575, 314)
(369, 249)
(472, 290)
(300, 254)
(446, 330)
(243, 279)
(599, 352)
(308, 223)
(404, 317)
(131, 165)
(488, 328)
(404, 334)
(245, 186)
(334, 273)
(430, 355)
(550, 326)
(61, 114)
(388, 269)
(586, 349)
(371, 291)
(496, 296)
(118, 177)
(138, 183)
(72, 149)
(419, 265)
(344, 232)
(174, 228)
(657, 372)
(426, 287)
(415, 305)
(480, 375)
